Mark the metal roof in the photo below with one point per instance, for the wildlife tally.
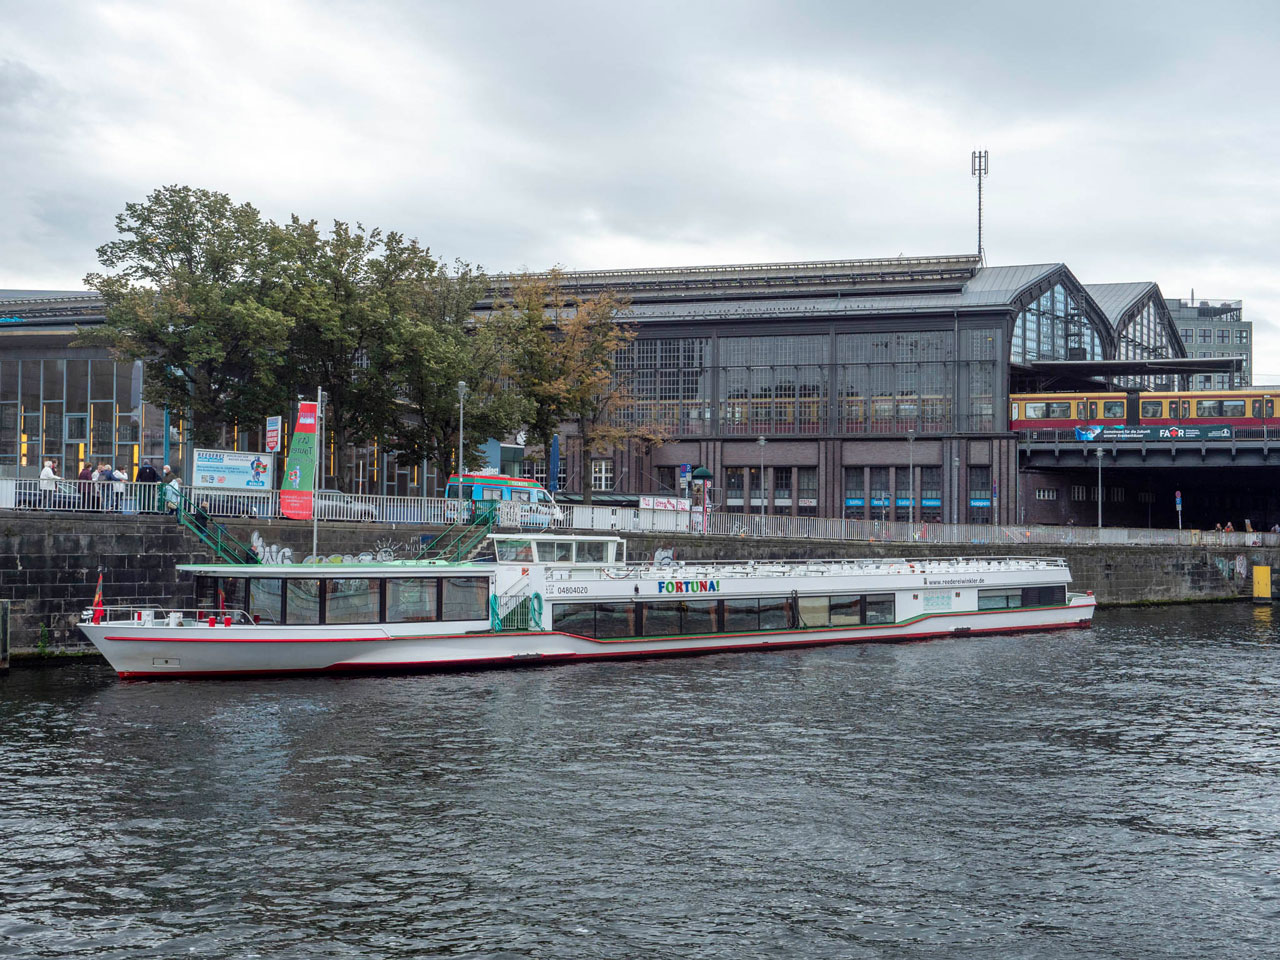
(1117, 299)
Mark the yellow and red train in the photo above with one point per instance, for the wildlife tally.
(1062, 411)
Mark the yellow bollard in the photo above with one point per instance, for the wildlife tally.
(1261, 584)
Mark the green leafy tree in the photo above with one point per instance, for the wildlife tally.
(564, 360)
(195, 294)
(353, 296)
(442, 344)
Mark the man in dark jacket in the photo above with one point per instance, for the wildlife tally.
(147, 495)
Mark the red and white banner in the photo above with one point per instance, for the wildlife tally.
(300, 468)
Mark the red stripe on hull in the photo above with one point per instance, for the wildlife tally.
(424, 666)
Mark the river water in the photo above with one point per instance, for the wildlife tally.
(1103, 793)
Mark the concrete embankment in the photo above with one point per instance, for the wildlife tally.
(49, 563)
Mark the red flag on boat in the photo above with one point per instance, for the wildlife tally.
(99, 611)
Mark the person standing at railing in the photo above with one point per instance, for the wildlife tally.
(85, 485)
(102, 486)
(118, 480)
(172, 492)
(48, 484)
(147, 495)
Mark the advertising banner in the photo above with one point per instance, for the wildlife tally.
(300, 467)
(1097, 431)
(273, 434)
(231, 470)
(664, 503)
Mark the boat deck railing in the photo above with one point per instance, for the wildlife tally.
(711, 569)
(151, 615)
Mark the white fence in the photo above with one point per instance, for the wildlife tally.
(140, 498)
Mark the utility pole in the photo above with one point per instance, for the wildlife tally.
(462, 395)
(763, 495)
(1098, 451)
(317, 475)
(978, 168)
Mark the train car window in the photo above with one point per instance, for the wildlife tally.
(1093, 409)
(1271, 407)
(1233, 408)
(1060, 411)
(1112, 409)
(1257, 409)
(1036, 411)
(1208, 408)
(1152, 408)
(1013, 411)
(1186, 409)
(1079, 409)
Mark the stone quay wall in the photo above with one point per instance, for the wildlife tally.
(49, 563)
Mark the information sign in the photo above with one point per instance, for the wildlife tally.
(232, 470)
(273, 434)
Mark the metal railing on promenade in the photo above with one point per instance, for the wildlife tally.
(143, 498)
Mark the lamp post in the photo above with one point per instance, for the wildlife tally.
(762, 442)
(317, 476)
(911, 475)
(955, 490)
(1098, 451)
(462, 393)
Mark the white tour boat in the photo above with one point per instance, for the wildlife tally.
(545, 599)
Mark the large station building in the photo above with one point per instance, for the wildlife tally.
(871, 389)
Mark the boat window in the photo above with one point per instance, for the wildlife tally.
(302, 600)
(1111, 410)
(999, 599)
(741, 614)
(555, 551)
(699, 616)
(232, 594)
(411, 600)
(1052, 596)
(351, 600)
(515, 551)
(575, 618)
(774, 613)
(591, 551)
(815, 611)
(265, 599)
(879, 607)
(846, 611)
(662, 619)
(1153, 408)
(1233, 408)
(615, 620)
(465, 598)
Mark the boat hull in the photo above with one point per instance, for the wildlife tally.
(154, 652)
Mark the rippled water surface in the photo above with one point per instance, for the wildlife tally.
(1104, 793)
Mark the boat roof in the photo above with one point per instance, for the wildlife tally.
(385, 568)
(553, 536)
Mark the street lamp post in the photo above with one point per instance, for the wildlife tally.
(1098, 451)
(462, 393)
(911, 475)
(762, 442)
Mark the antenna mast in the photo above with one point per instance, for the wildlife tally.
(978, 168)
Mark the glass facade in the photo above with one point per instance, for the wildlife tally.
(1053, 327)
(890, 383)
(1145, 337)
(773, 385)
(669, 382)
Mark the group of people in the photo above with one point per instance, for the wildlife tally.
(103, 487)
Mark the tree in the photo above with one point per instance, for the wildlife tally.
(565, 361)
(443, 344)
(196, 294)
(352, 295)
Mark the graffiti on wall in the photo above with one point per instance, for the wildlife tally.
(385, 550)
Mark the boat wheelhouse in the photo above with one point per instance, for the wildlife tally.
(547, 598)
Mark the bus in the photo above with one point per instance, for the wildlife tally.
(532, 506)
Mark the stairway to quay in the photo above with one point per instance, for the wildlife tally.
(50, 562)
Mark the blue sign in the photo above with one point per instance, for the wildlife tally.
(930, 501)
(903, 502)
(553, 465)
(854, 502)
(232, 470)
(13, 319)
(878, 502)
(979, 501)
(1089, 432)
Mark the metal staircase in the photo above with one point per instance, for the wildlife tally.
(213, 534)
(460, 540)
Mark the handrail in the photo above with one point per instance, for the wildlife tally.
(460, 538)
(214, 534)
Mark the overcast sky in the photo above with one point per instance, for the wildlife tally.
(1130, 141)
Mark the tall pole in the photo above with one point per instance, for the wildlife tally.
(462, 393)
(317, 474)
(763, 496)
(978, 168)
(1099, 453)
(911, 475)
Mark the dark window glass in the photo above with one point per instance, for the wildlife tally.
(465, 598)
(1060, 411)
(999, 599)
(1233, 408)
(846, 611)
(774, 613)
(575, 618)
(699, 616)
(302, 597)
(880, 608)
(815, 611)
(1153, 408)
(411, 600)
(233, 594)
(741, 614)
(1044, 596)
(264, 600)
(1208, 408)
(615, 620)
(661, 619)
(351, 600)
(1112, 409)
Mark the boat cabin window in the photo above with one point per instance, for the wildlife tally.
(1051, 596)
(465, 598)
(411, 600)
(355, 600)
(590, 551)
(515, 551)
(555, 551)
(302, 600)
(999, 599)
(265, 600)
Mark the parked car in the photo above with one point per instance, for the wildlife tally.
(334, 505)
